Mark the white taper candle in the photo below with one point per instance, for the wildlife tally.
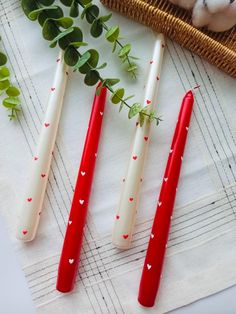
(32, 203)
(126, 214)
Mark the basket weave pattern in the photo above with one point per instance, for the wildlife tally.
(218, 48)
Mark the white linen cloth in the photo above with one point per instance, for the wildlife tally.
(201, 252)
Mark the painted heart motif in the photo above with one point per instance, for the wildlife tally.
(159, 204)
(135, 157)
(101, 113)
(43, 175)
(141, 180)
(83, 173)
(151, 62)
(182, 158)
(163, 45)
(96, 155)
(117, 217)
(123, 180)
(187, 128)
(36, 158)
(125, 236)
(81, 202)
(67, 73)
(152, 235)
(52, 89)
(171, 151)
(70, 222)
(46, 125)
(148, 102)
(157, 78)
(71, 260)
(165, 179)
(29, 199)
(131, 199)
(146, 138)
(24, 232)
(149, 266)
(58, 60)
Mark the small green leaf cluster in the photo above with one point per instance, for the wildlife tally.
(11, 93)
(59, 30)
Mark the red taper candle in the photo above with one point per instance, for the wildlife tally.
(152, 268)
(70, 254)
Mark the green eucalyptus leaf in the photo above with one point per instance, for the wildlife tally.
(114, 46)
(91, 78)
(141, 118)
(84, 2)
(64, 22)
(3, 59)
(11, 102)
(113, 33)
(117, 95)
(92, 13)
(47, 14)
(33, 15)
(75, 36)
(111, 81)
(82, 60)
(105, 18)
(151, 116)
(67, 3)
(71, 56)
(4, 84)
(61, 35)
(135, 109)
(132, 68)
(28, 6)
(13, 91)
(124, 51)
(74, 9)
(91, 63)
(4, 73)
(50, 30)
(96, 28)
(102, 66)
(78, 44)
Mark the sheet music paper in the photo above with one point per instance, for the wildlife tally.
(201, 251)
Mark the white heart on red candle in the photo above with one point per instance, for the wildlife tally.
(149, 266)
(152, 235)
(182, 158)
(81, 202)
(165, 179)
(70, 222)
(159, 204)
(24, 232)
(96, 155)
(71, 260)
(101, 113)
(187, 128)
(125, 236)
(171, 151)
(83, 173)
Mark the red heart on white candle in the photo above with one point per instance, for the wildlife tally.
(117, 217)
(148, 101)
(135, 157)
(35, 158)
(24, 232)
(131, 199)
(157, 78)
(146, 138)
(151, 62)
(71, 260)
(125, 236)
(46, 125)
(43, 175)
(58, 59)
(52, 89)
(29, 199)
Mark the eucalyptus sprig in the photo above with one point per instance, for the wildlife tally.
(59, 30)
(11, 93)
(90, 11)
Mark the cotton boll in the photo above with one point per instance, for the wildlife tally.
(219, 22)
(201, 16)
(186, 4)
(215, 6)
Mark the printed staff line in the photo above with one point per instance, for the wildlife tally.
(211, 223)
(169, 246)
(203, 118)
(210, 116)
(217, 117)
(202, 214)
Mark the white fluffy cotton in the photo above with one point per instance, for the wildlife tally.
(216, 15)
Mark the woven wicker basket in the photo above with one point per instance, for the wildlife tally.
(218, 48)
